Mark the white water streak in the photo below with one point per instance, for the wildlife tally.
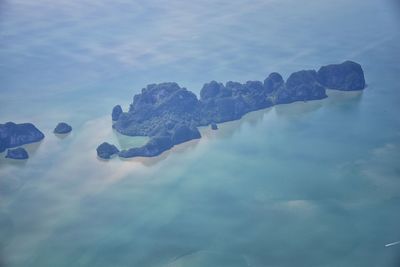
(392, 244)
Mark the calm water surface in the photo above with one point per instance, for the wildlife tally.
(305, 184)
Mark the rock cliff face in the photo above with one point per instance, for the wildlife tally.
(14, 135)
(170, 114)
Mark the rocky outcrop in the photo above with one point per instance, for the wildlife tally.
(17, 153)
(221, 109)
(183, 133)
(156, 105)
(300, 86)
(165, 138)
(116, 112)
(153, 148)
(62, 128)
(106, 150)
(214, 89)
(14, 135)
(273, 83)
(170, 114)
(347, 76)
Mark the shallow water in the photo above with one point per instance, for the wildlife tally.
(304, 184)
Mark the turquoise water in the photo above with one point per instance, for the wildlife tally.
(304, 184)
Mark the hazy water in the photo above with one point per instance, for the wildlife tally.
(305, 184)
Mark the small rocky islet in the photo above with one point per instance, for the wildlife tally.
(13, 135)
(17, 153)
(106, 150)
(170, 114)
(62, 128)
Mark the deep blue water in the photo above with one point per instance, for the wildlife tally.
(304, 184)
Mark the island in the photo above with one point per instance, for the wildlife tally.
(106, 150)
(170, 114)
(62, 128)
(14, 135)
(17, 153)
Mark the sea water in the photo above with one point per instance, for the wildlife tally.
(312, 183)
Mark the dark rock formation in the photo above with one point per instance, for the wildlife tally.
(214, 89)
(62, 128)
(116, 112)
(13, 135)
(260, 98)
(17, 153)
(153, 148)
(301, 86)
(346, 76)
(106, 150)
(163, 138)
(214, 126)
(183, 133)
(170, 114)
(221, 109)
(273, 83)
(157, 104)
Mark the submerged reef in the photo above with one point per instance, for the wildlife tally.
(62, 128)
(14, 135)
(170, 114)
